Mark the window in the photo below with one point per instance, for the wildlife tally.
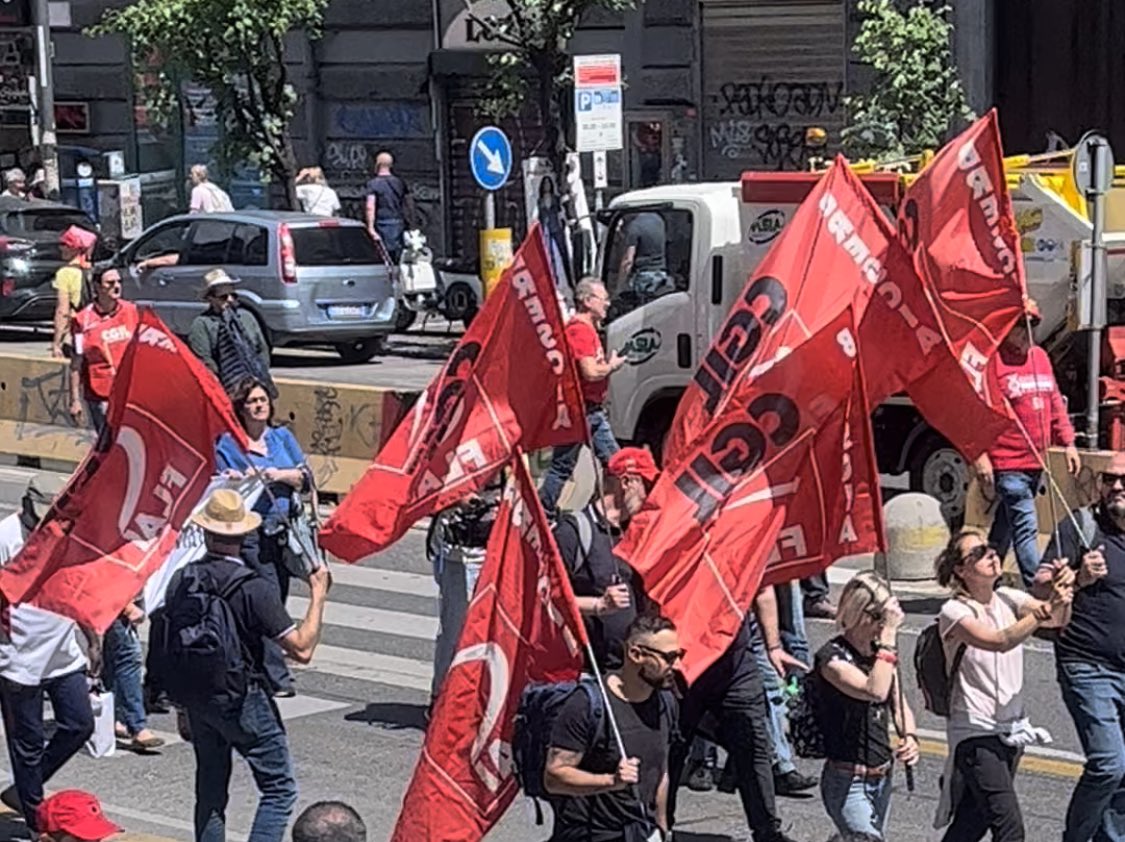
(166, 240)
(249, 245)
(334, 245)
(45, 220)
(648, 256)
(210, 240)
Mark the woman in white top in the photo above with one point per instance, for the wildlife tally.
(314, 194)
(987, 726)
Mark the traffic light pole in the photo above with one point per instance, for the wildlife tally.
(45, 85)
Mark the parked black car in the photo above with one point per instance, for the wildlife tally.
(30, 255)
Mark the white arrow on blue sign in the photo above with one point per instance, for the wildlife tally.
(490, 158)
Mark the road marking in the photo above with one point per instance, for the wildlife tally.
(371, 666)
(1040, 760)
(372, 619)
(393, 581)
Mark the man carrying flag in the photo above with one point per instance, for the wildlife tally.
(521, 627)
(510, 383)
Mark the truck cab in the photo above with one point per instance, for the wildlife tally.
(673, 259)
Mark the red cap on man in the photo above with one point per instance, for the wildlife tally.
(77, 814)
(633, 460)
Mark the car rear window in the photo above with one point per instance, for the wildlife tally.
(44, 221)
(334, 246)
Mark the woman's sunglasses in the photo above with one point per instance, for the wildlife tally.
(977, 553)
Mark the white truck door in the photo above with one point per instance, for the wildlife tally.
(647, 270)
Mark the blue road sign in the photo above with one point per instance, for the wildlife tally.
(490, 158)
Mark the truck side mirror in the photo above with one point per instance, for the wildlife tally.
(605, 216)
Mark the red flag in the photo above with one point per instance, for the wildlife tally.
(123, 509)
(838, 251)
(509, 383)
(782, 480)
(522, 626)
(957, 222)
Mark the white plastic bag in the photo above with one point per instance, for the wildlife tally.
(103, 742)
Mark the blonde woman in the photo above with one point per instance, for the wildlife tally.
(314, 194)
(856, 698)
(987, 726)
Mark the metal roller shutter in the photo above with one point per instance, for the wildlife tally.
(770, 71)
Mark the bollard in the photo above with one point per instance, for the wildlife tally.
(916, 533)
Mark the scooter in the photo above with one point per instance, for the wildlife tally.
(443, 287)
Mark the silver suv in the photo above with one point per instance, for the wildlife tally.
(309, 280)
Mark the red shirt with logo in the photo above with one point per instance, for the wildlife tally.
(101, 340)
(1031, 389)
(585, 343)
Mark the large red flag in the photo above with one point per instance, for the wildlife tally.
(123, 509)
(509, 383)
(779, 485)
(957, 222)
(522, 626)
(837, 251)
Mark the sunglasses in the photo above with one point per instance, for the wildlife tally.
(1112, 479)
(977, 553)
(670, 658)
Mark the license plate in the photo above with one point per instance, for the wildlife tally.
(346, 311)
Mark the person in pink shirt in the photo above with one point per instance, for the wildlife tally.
(1011, 469)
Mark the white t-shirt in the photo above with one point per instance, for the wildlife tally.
(989, 685)
(42, 644)
(209, 198)
(318, 199)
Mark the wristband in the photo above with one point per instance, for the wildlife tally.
(886, 647)
(890, 657)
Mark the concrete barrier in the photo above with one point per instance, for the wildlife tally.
(916, 533)
(340, 426)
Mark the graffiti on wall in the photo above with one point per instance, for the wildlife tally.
(398, 120)
(763, 122)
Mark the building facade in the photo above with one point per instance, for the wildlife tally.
(712, 88)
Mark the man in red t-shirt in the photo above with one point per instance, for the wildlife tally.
(594, 370)
(1011, 469)
(101, 332)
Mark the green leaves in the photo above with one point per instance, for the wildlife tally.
(234, 48)
(916, 98)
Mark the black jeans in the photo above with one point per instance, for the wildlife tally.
(815, 588)
(263, 555)
(731, 690)
(986, 767)
(35, 759)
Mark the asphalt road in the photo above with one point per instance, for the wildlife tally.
(356, 726)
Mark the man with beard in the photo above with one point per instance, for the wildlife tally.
(606, 589)
(1090, 652)
(602, 796)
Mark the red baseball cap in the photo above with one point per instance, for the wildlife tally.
(633, 460)
(78, 238)
(77, 813)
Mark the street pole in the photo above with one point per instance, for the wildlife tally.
(489, 210)
(48, 140)
(1098, 305)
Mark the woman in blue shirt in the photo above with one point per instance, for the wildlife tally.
(274, 453)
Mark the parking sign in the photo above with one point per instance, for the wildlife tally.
(599, 126)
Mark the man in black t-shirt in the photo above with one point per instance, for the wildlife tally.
(255, 729)
(602, 796)
(385, 209)
(606, 588)
(1089, 549)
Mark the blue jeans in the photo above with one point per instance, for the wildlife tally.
(791, 620)
(98, 410)
(782, 753)
(122, 672)
(391, 233)
(1015, 520)
(255, 731)
(1095, 696)
(563, 459)
(35, 759)
(456, 583)
(857, 806)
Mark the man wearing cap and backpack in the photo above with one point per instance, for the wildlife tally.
(1011, 469)
(228, 339)
(606, 588)
(208, 645)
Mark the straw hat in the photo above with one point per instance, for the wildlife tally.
(225, 513)
(217, 278)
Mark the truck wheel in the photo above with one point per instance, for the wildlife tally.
(937, 469)
(460, 304)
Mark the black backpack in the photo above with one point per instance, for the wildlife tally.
(935, 675)
(539, 708)
(195, 651)
(805, 734)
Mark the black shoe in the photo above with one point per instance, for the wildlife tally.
(728, 781)
(702, 779)
(792, 783)
(10, 798)
(157, 702)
